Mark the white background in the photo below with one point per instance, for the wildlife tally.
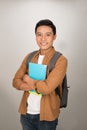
(17, 38)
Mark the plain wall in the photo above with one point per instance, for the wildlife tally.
(17, 38)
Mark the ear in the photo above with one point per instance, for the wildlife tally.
(54, 36)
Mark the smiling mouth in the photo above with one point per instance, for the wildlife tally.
(43, 44)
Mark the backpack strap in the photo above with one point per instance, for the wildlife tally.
(51, 65)
(54, 59)
(31, 56)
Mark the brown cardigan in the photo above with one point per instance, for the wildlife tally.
(50, 102)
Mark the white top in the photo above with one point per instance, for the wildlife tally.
(34, 100)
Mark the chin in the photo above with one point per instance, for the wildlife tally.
(44, 48)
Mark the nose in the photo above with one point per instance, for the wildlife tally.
(43, 38)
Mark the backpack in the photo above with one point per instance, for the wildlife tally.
(64, 97)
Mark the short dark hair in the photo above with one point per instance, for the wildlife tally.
(46, 22)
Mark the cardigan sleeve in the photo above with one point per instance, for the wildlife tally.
(55, 77)
(18, 78)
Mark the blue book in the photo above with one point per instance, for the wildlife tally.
(37, 71)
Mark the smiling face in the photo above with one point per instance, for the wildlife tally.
(45, 37)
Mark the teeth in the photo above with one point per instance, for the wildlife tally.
(43, 44)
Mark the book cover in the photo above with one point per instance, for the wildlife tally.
(37, 71)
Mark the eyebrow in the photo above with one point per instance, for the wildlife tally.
(46, 32)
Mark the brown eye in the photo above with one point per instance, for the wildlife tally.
(48, 35)
(38, 34)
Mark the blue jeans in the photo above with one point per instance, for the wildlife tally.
(32, 122)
